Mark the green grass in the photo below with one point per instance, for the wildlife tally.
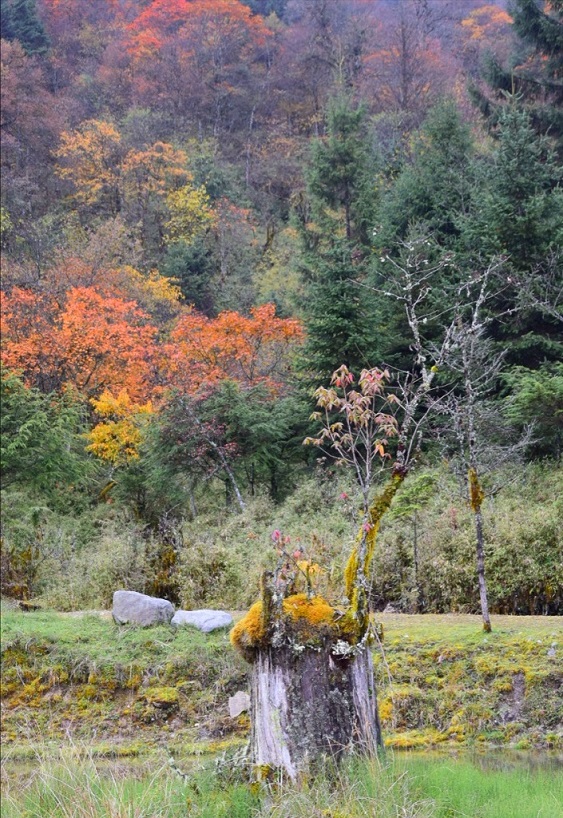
(440, 680)
(459, 788)
(410, 787)
(76, 787)
(95, 639)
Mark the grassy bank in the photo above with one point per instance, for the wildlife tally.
(409, 786)
(441, 681)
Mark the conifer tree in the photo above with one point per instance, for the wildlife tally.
(435, 188)
(20, 21)
(424, 205)
(519, 215)
(338, 312)
(339, 320)
(538, 78)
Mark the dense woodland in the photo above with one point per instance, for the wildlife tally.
(208, 206)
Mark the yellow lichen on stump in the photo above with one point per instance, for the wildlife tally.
(309, 619)
(249, 632)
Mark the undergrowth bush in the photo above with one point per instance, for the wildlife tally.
(87, 579)
(523, 546)
(220, 554)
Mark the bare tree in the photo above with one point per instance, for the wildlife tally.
(468, 422)
(482, 438)
(543, 288)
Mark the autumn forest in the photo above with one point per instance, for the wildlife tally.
(210, 206)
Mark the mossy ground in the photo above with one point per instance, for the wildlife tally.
(87, 679)
(441, 680)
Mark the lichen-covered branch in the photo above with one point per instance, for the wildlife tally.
(357, 568)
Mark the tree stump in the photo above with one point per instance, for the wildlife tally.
(312, 691)
(311, 704)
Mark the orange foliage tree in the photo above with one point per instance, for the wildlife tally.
(155, 294)
(251, 349)
(191, 57)
(89, 341)
(485, 30)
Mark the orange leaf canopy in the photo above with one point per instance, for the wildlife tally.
(91, 341)
(248, 349)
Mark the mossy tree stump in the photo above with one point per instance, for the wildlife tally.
(310, 705)
(312, 683)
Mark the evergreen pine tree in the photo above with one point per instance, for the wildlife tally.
(538, 78)
(519, 215)
(339, 314)
(19, 21)
(341, 177)
(437, 185)
(433, 191)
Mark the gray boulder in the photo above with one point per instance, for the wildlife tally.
(239, 703)
(204, 620)
(140, 609)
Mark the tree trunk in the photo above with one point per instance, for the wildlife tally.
(481, 571)
(418, 589)
(476, 497)
(310, 704)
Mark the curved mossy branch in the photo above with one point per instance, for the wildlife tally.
(357, 567)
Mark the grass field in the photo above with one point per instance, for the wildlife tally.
(91, 711)
(406, 785)
(441, 680)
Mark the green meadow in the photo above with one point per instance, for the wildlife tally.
(92, 714)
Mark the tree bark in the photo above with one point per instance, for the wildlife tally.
(480, 542)
(476, 497)
(311, 703)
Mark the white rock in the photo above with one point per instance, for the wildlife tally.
(239, 703)
(204, 620)
(140, 609)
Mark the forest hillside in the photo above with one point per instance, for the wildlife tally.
(208, 207)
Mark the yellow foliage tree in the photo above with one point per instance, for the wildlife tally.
(153, 171)
(118, 437)
(89, 157)
(160, 296)
(190, 213)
